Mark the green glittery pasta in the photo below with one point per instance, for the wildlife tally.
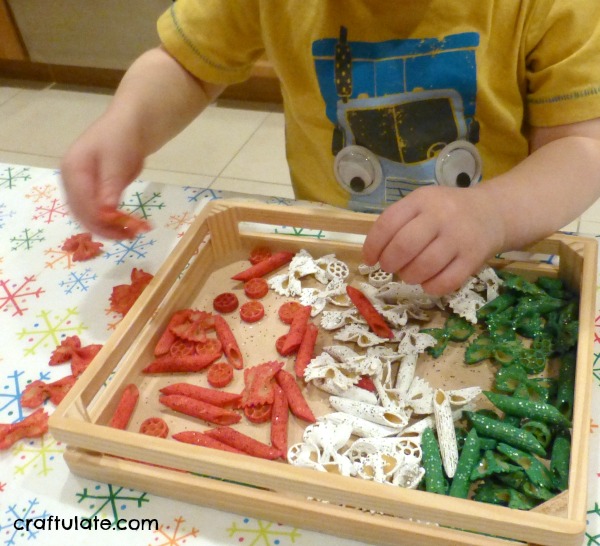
(520, 284)
(537, 473)
(565, 394)
(435, 480)
(458, 328)
(479, 349)
(441, 337)
(559, 460)
(540, 430)
(469, 456)
(537, 492)
(505, 432)
(490, 464)
(496, 306)
(553, 287)
(519, 501)
(534, 359)
(526, 408)
(492, 493)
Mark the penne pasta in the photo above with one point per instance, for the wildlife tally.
(394, 418)
(374, 319)
(125, 407)
(229, 343)
(444, 424)
(275, 261)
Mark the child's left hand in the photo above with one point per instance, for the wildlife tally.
(437, 237)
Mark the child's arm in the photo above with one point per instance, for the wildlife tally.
(438, 236)
(155, 100)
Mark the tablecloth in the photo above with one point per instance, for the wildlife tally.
(45, 297)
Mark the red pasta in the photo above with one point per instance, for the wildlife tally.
(306, 349)
(202, 439)
(270, 264)
(298, 405)
(200, 410)
(181, 364)
(375, 321)
(230, 346)
(244, 443)
(279, 421)
(37, 392)
(298, 326)
(125, 407)
(258, 383)
(33, 426)
(217, 398)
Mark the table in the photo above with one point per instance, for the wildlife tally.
(45, 297)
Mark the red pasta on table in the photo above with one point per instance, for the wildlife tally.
(204, 440)
(244, 443)
(374, 319)
(229, 343)
(306, 349)
(125, 407)
(298, 326)
(200, 410)
(298, 404)
(264, 267)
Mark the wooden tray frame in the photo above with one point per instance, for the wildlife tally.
(280, 492)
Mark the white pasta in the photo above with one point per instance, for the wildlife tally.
(444, 423)
(395, 418)
(360, 427)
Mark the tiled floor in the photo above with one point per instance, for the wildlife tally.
(231, 146)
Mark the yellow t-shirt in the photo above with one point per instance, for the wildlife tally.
(381, 96)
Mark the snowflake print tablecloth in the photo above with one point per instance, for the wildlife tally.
(45, 297)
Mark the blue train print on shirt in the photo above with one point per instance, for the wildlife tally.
(403, 113)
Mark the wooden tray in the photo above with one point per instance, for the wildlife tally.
(215, 247)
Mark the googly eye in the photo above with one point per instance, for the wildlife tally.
(358, 170)
(458, 165)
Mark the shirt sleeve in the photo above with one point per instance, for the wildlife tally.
(563, 62)
(216, 40)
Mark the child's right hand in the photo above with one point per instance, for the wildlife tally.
(96, 169)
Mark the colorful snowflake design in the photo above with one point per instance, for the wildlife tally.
(10, 396)
(109, 501)
(59, 257)
(40, 193)
(27, 240)
(301, 232)
(5, 215)
(37, 455)
(51, 211)
(13, 536)
(180, 222)
(50, 330)
(201, 194)
(592, 540)
(137, 248)
(11, 175)
(168, 535)
(142, 205)
(14, 296)
(253, 532)
(78, 282)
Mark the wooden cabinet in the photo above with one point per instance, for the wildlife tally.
(91, 42)
(11, 46)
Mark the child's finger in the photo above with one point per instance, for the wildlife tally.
(408, 243)
(385, 228)
(433, 259)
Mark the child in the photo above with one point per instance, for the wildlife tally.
(394, 105)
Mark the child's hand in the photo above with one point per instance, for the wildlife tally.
(95, 171)
(437, 237)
